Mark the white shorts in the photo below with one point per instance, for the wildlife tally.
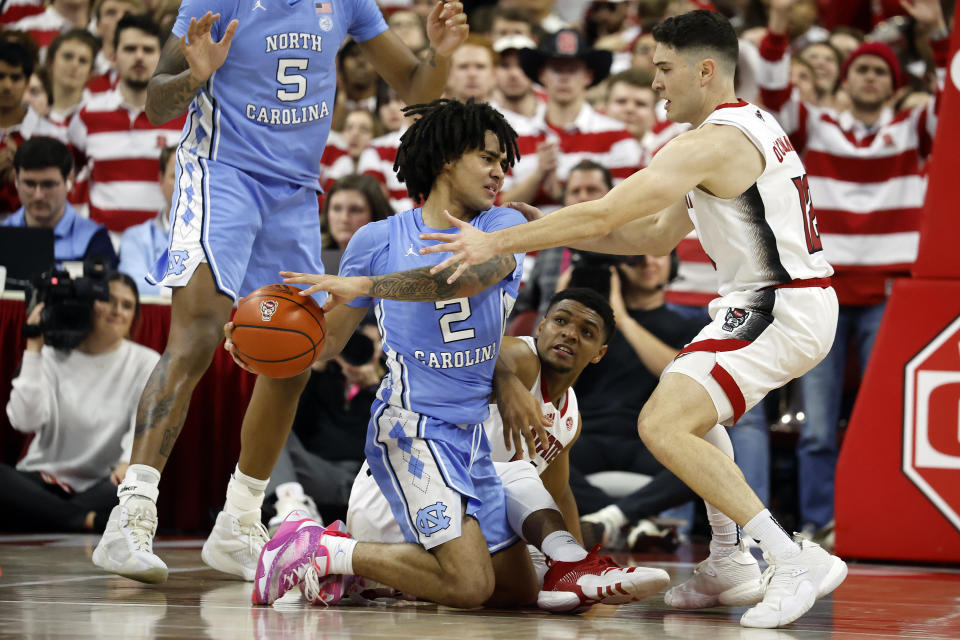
(758, 342)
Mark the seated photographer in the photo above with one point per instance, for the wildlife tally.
(324, 451)
(44, 175)
(80, 404)
(648, 336)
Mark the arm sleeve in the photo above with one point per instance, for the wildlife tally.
(776, 92)
(30, 405)
(366, 255)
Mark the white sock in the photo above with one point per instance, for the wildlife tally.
(141, 481)
(539, 561)
(563, 547)
(244, 493)
(724, 537)
(771, 536)
(341, 553)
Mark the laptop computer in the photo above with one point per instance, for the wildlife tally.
(25, 252)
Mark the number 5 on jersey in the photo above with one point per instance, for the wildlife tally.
(810, 227)
(295, 83)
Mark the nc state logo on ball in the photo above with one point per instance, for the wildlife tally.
(267, 309)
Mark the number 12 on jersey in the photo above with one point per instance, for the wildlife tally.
(810, 228)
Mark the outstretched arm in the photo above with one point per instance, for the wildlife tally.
(415, 285)
(699, 157)
(420, 80)
(186, 64)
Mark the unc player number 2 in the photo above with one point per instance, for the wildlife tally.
(449, 335)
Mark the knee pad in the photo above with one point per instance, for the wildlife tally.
(524, 491)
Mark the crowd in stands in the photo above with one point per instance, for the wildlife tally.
(855, 84)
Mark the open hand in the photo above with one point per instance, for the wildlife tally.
(927, 13)
(469, 247)
(203, 54)
(341, 288)
(447, 27)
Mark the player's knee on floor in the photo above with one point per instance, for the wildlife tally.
(467, 569)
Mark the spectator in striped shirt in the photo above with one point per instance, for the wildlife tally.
(59, 17)
(121, 146)
(471, 71)
(39, 93)
(70, 60)
(566, 68)
(18, 122)
(514, 91)
(108, 14)
(866, 179)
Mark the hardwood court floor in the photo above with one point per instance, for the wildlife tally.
(49, 589)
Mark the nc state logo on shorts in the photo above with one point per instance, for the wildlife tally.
(267, 309)
(569, 423)
(734, 318)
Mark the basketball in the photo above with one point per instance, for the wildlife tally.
(278, 332)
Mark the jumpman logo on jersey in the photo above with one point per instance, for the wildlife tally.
(410, 252)
(259, 5)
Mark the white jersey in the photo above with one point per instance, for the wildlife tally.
(559, 434)
(768, 235)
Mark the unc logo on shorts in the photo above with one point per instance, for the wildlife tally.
(431, 519)
(177, 262)
(267, 309)
(735, 318)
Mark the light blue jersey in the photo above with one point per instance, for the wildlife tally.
(440, 355)
(267, 110)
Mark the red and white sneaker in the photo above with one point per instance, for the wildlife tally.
(286, 556)
(576, 586)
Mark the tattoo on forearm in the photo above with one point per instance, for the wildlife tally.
(168, 97)
(171, 89)
(432, 57)
(419, 285)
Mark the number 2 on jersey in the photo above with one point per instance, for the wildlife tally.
(810, 227)
(449, 335)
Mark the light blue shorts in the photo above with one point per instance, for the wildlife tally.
(427, 469)
(246, 227)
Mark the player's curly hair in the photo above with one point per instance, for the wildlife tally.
(444, 131)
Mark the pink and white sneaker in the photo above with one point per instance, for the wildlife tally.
(319, 585)
(286, 556)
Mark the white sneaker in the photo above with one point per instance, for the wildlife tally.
(290, 497)
(126, 547)
(733, 580)
(792, 585)
(234, 545)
